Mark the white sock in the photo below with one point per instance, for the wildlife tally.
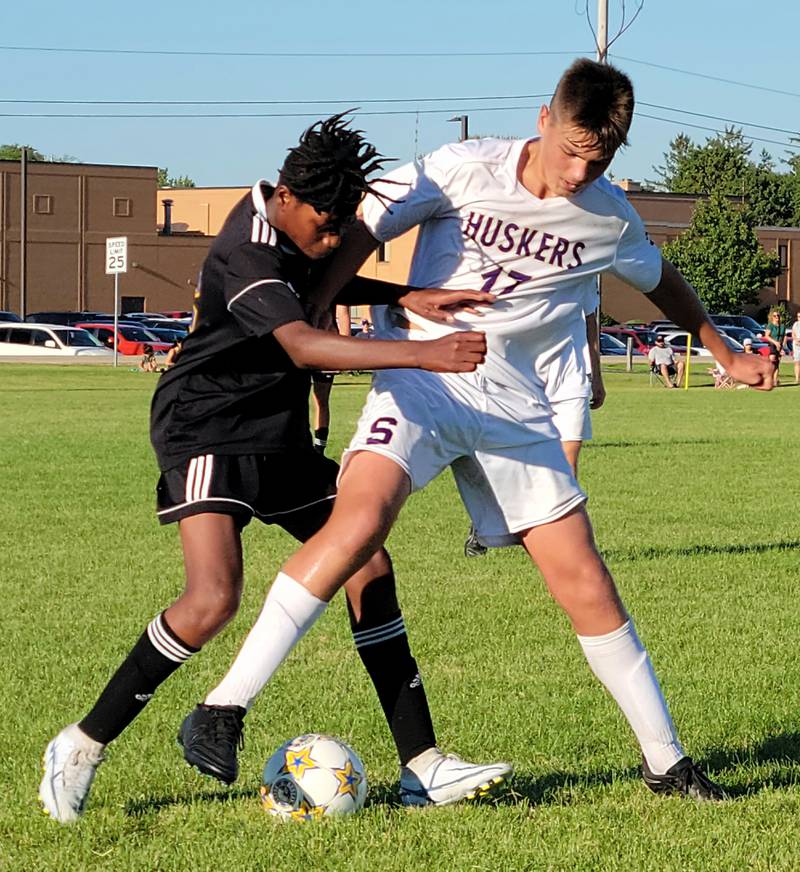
(622, 664)
(289, 611)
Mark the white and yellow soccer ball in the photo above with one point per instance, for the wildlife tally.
(313, 776)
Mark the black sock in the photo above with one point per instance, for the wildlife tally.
(321, 438)
(157, 654)
(380, 636)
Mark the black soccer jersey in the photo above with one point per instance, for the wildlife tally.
(233, 389)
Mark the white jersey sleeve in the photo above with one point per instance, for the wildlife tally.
(638, 259)
(417, 188)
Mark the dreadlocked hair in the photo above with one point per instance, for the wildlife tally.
(329, 168)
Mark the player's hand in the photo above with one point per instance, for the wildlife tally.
(751, 369)
(598, 392)
(457, 352)
(438, 305)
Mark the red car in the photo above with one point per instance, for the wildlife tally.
(643, 339)
(131, 338)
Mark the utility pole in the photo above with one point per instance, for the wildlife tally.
(23, 230)
(602, 31)
(464, 119)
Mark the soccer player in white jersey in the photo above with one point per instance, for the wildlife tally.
(534, 222)
(573, 385)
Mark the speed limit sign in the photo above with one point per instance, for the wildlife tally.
(116, 255)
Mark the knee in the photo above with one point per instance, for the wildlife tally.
(213, 606)
(585, 589)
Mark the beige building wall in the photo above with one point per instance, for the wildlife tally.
(73, 208)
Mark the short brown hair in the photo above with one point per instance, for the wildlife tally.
(597, 98)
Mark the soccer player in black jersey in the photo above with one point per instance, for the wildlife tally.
(229, 425)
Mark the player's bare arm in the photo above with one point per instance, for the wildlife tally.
(593, 339)
(310, 348)
(677, 300)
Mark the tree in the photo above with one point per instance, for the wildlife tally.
(14, 152)
(165, 181)
(720, 254)
(724, 166)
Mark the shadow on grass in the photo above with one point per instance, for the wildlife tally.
(644, 443)
(783, 748)
(553, 788)
(154, 804)
(654, 552)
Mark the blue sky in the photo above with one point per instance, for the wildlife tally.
(755, 45)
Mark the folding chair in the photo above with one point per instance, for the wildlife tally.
(722, 380)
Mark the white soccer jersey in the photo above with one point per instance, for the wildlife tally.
(481, 229)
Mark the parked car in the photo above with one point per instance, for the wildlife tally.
(131, 339)
(165, 323)
(10, 316)
(38, 340)
(177, 314)
(738, 321)
(643, 339)
(67, 318)
(677, 341)
(742, 333)
(611, 345)
(140, 316)
(167, 334)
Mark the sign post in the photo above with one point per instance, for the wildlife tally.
(116, 263)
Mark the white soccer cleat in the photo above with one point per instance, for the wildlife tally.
(70, 763)
(448, 779)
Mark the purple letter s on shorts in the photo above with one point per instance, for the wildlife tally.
(382, 435)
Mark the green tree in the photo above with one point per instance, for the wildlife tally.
(167, 181)
(720, 254)
(724, 166)
(14, 152)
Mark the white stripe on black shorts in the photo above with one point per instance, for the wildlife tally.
(294, 489)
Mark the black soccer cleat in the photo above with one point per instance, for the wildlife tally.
(211, 737)
(685, 778)
(473, 547)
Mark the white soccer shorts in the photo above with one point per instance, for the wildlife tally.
(505, 452)
(572, 419)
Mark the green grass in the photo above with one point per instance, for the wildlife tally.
(692, 496)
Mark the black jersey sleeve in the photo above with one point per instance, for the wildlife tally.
(256, 292)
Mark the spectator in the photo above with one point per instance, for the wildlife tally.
(748, 346)
(172, 355)
(663, 361)
(367, 330)
(796, 347)
(775, 334)
(148, 362)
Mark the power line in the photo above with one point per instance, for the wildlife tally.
(286, 54)
(349, 102)
(790, 145)
(706, 76)
(254, 114)
(717, 118)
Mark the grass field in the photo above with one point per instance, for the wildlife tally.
(693, 499)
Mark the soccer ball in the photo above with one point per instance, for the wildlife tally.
(313, 776)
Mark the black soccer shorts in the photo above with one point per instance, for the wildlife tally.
(293, 490)
(322, 378)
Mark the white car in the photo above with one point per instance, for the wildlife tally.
(48, 340)
(677, 341)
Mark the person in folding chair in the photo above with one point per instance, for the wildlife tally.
(664, 363)
(721, 377)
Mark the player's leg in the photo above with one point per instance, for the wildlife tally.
(213, 563)
(321, 384)
(427, 776)
(371, 493)
(579, 581)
